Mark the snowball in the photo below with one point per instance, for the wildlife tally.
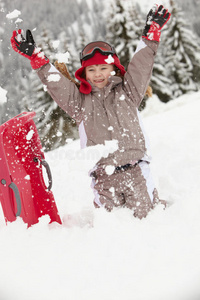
(3, 98)
(110, 59)
(110, 128)
(18, 21)
(53, 77)
(14, 14)
(113, 73)
(59, 133)
(30, 135)
(112, 190)
(40, 54)
(122, 97)
(63, 57)
(110, 170)
(45, 87)
(55, 44)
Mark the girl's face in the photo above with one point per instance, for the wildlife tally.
(99, 74)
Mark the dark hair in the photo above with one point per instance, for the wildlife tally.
(118, 72)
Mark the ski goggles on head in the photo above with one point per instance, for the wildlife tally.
(91, 48)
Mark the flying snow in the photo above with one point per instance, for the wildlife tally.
(122, 97)
(3, 98)
(110, 59)
(110, 169)
(14, 14)
(18, 21)
(63, 57)
(53, 77)
(30, 135)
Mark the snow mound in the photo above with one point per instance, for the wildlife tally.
(100, 255)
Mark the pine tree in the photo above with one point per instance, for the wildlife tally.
(134, 26)
(1, 35)
(181, 52)
(81, 41)
(2, 104)
(67, 47)
(2, 32)
(97, 20)
(123, 29)
(53, 124)
(161, 82)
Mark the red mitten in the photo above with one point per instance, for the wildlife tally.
(156, 19)
(28, 49)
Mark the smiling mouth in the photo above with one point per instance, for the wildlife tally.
(99, 81)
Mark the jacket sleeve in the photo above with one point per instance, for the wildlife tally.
(139, 70)
(62, 90)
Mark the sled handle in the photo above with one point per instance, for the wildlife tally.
(45, 164)
(13, 186)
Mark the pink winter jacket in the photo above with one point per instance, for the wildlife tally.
(110, 113)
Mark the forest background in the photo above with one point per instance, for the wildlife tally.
(65, 26)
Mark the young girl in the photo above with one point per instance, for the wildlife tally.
(106, 108)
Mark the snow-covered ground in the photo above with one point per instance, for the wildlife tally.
(96, 255)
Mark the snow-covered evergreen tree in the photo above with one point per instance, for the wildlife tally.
(191, 10)
(53, 124)
(81, 40)
(134, 26)
(161, 82)
(124, 28)
(1, 32)
(67, 48)
(98, 20)
(181, 54)
(2, 103)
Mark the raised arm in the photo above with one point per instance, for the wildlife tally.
(140, 68)
(61, 89)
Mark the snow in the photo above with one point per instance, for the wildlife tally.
(53, 77)
(148, 4)
(18, 21)
(100, 255)
(122, 97)
(109, 169)
(14, 14)
(112, 73)
(63, 57)
(109, 60)
(30, 135)
(3, 98)
(56, 44)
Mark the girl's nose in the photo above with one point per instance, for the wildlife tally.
(97, 73)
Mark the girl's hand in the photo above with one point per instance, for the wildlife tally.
(156, 19)
(27, 48)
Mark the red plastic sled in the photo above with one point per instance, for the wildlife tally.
(23, 191)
